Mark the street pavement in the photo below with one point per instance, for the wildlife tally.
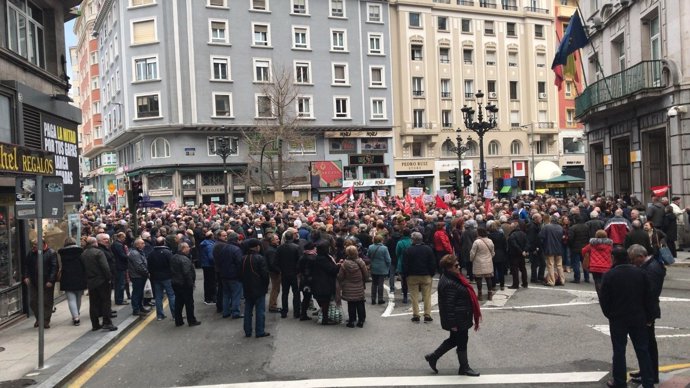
(539, 336)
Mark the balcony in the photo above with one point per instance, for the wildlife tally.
(565, 11)
(537, 10)
(418, 93)
(469, 3)
(629, 83)
(507, 7)
(487, 3)
(445, 94)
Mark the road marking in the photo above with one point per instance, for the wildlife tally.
(536, 306)
(604, 329)
(391, 301)
(104, 359)
(672, 367)
(406, 381)
(500, 298)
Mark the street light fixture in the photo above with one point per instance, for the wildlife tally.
(531, 146)
(480, 127)
(225, 149)
(459, 148)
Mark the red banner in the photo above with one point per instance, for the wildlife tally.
(660, 190)
(342, 198)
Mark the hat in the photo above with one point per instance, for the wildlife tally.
(675, 198)
(252, 243)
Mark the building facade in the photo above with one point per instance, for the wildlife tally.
(179, 77)
(34, 102)
(634, 107)
(448, 51)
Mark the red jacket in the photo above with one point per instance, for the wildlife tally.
(599, 250)
(617, 228)
(442, 242)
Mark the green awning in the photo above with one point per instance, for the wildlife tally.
(505, 190)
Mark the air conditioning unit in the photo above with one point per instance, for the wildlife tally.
(542, 96)
(493, 95)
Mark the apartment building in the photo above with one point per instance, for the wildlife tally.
(447, 51)
(179, 77)
(636, 101)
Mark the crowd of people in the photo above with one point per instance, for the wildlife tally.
(325, 253)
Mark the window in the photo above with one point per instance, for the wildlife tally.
(25, 31)
(513, 90)
(538, 31)
(213, 178)
(570, 117)
(469, 88)
(541, 60)
(445, 88)
(350, 172)
(540, 147)
(374, 13)
(189, 181)
(515, 147)
(444, 55)
(337, 8)
(218, 3)
(375, 172)
(416, 52)
(144, 32)
(306, 145)
(212, 144)
(491, 58)
(489, 28)
(447, 118)
(467, 56)
(340, 74)
(619, 55)
(304, 107)
(341, 107)
(654, 39)
(264, 107)
(511, 30)
(472, 148)
(218, 31)
(442, 22)
(418, 118)
(94, 58)
(569, 86)
(222, 105)
(376, 77)
(541, 90)
(262, 70)
(417, 149)
(466, 26)
(147, 106)
(494, 148)
(302, 72)
(542, 116)
(491, 88)
(259, 5)
(299, 7)
(300, 37)
(512, 59)
(94, 82)
(220, 67)
(375, 44)
(160, 148)
(338, 40)
(96, 107)
(447, 149)
(137, 3)
(573, 145)
(378, 109)
(262, 34)
(514, 118)
(415, 19)
(417, 87)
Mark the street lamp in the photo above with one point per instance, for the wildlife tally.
(531, 146)
(459, 148)
(480, 127)
(224, 149)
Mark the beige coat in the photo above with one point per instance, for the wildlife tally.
(481, 256)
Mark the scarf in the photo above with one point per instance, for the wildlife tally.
(476, 311)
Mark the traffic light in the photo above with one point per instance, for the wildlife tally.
(453, 176)
(467, 177)
(137, 191)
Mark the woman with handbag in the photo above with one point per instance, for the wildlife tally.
(670, 228)
(481, 256)
(656, 237)
(351, 276)
(597, 257)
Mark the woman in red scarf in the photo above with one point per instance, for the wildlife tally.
(459, 310)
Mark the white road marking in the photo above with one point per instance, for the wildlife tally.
(500, 298)
(407, 381)
(536, 306)
(604, 329)
(391, 301)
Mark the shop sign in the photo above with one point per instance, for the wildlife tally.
(109, 170)
(211, 190)
(189, 192)
(160, 193)
(414, 165)
(369, 182)
(60, 138)
(22, 160)
(358, 160)
(447, 165)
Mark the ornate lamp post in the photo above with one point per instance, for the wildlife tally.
(459, 149)
(224, 149)
(480, 127)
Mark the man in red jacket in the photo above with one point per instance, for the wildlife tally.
(617, 228)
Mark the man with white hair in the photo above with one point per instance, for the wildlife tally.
(617, 227)
(419, 268)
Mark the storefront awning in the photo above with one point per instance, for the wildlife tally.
(505, 190)
(546, 170)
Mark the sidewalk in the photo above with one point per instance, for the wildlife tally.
(683, 259)
(67, 347)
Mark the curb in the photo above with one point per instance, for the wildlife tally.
(681, 264)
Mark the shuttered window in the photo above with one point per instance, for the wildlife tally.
(144, 32)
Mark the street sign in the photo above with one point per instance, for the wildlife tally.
(151, 204)
(52, 197)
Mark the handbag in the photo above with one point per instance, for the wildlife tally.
(666, 256)
(334, 314)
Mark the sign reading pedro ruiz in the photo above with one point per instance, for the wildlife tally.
(20, 160)
(60, 137)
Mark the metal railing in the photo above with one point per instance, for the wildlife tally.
(466, 2)
(487, 4)
(537, 10)
(643, 76)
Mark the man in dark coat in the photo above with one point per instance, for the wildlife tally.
(655, 212)
(139, 273)
(205, 255)
(419, 267)
(536, 257)
(551, 236)
(466, 240)
(626, 300)
(159, 270)
(287, 256)
(255, 278)
(183, 275)
(221, 237)
(120, 252)
(30, 271)
(578, 238)
(655, 272)
(229, 262)
(98, 281)
(271, 242)
(638, 236)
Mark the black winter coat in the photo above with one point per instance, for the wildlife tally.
(578, 237)
(533, 240)
(229, 262)
(670, 226)
(182, 272)
(517, 243)
(324, 272)
(419, 260)
(466, 240)
(500, 247)
(454, 303)
(254, 275)
(110, 258)
(655, 272)
(50, 266)
(287, 256)
(120, 253)
(73, 276)
(625, 295)
(159, 263)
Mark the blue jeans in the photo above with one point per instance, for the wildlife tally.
(260, 305)
(137, 294)
(120, 287)
(160, 286)
(575, 262)
(232, 293)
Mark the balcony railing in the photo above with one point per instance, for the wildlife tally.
(445, 94)
(537, 10)
(487, 3)
(418, 93)
(507, 7)
(466, 2)
(643, 76)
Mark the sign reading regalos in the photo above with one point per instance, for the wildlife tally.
(326, 174)
(60, 138)
(22, 160)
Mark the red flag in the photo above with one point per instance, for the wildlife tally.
(342, 198)
(408, 198)
(558, 71)
(660, 190)
(379, 201)
(172, 205)
(420, 202)
(440, 204)
(359, 201)
(399, 203)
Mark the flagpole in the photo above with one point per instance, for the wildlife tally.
(589, 39)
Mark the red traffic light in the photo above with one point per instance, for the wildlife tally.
(466, 171)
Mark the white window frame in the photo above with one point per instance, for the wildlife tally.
(421, 20)
(515, 147)
(302, 150)
(369, 19)
(339, 49)
(211, 39)
(298, 64)
(344, 10)
(306, 8)
(335, 108)
(224, 6)
(256, 107)
(307, 36)
(438, 25)
(267, 6)
(215, 58)
(496, 148)
(136, 110)
(346, 81)
(379, 37)
(95, 82)
(268, 35)
(166, 144)
(383, 115)
(383, 77)
(131, 5)
(301, 115)
(254, 63)
(231, 112)
(155, 30)
(154, 58)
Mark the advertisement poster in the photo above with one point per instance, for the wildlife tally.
(326, 174)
